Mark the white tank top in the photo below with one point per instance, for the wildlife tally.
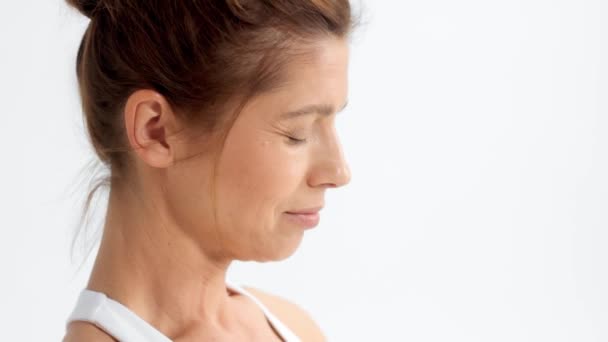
(124, 325)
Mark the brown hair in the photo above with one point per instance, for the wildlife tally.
(200, 55)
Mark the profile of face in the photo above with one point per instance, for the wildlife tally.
(274, 162)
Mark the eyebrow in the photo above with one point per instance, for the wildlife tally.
(323, 109)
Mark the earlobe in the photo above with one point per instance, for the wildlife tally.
(147, 118)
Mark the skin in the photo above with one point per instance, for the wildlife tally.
(160, 237)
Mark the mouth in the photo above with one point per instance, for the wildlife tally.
(306, 211)
(306, 220)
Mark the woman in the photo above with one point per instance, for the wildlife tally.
(216, 121)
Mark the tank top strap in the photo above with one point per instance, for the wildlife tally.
(114, 318)
(287, 334)
(124, 325)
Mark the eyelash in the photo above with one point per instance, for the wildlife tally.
(295, 141)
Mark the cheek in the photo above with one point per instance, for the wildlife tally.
(257, 181)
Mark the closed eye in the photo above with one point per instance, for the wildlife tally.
(295, 141)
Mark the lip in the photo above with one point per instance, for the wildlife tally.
(306, 220)
(306, 211)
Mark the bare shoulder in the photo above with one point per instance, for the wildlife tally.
(296, 318)
(81, 331)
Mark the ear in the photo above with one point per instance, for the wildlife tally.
(149, 122)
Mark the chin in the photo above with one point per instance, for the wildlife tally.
(280, 251)
(285, 254)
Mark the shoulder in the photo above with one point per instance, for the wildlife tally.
(78, 331)
(296, 318)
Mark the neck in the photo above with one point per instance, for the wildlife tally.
(159, 272)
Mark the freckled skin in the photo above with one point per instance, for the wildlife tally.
(261, 175)
(160, 237)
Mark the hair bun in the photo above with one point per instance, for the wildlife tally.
(86, 7)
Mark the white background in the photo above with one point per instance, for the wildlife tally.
(477, 211)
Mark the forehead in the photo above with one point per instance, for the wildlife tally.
(318, 78)
(321, 77)
(327, 63)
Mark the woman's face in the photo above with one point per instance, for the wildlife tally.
(263, 174)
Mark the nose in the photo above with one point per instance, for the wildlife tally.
(331, 168)
(342, 175)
